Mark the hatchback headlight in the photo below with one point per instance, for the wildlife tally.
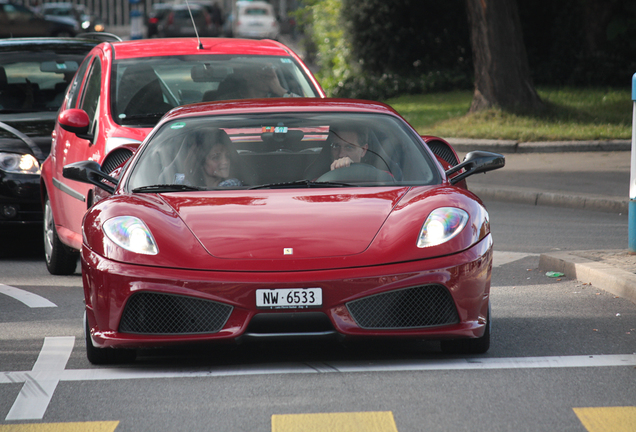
(442, 225)
(19, 163)
(131, 234)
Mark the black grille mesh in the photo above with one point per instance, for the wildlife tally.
(154, 313)
(423, 306)
(443, 150)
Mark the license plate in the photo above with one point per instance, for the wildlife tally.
(297, 298)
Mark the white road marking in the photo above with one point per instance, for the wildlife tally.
(41, 381)
(49, 370)
(26, 297)
(500, 258)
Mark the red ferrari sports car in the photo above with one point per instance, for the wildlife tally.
(285, 217)
(122, 89)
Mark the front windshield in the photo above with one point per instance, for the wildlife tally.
(35, 81)
(146, 88)
(282, 151)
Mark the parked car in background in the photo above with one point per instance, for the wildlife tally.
(119, 94)
(215, 12)
(255, 19)
(76, 13)
(157, 12)
(34, 74)
(177, 22)
(230, 223)
(19, 21)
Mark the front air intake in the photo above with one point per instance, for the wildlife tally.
(417, 307)
(155, 313)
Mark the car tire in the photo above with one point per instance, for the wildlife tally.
(60, 260)
(104, 356)
(469, 346)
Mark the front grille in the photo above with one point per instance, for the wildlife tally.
(154, 313)
(423, 306)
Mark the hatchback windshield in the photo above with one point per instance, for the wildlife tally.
(282, 151)
(146, 88)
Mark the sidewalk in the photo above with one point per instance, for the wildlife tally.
(590, 175)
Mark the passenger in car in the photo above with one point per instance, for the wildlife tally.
(209, 160)
(253, 83)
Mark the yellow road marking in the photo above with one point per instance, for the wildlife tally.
(609, 419)
(379, 421)
(108, 426)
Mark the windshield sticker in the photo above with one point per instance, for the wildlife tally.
(275, 129)
(177, 125)
(285, 60)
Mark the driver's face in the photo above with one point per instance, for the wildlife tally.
(346, 144)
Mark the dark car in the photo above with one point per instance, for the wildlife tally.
(178, 22)
(19, 21)
(34, 74)
(158, 11)
(77, 14)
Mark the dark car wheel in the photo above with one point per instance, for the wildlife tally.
(469, 346)
(60, 260)
(102, 356)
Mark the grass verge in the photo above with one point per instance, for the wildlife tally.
(570, 114)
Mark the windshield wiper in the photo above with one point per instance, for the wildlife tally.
(299, 184)
(167, 188)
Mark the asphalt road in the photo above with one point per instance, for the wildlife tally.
(563, 357)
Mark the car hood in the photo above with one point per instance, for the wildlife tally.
(301, 223)
(38, 129)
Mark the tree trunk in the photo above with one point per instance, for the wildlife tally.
(502, 74)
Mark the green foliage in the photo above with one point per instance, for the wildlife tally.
(377, 49)
(572, 114)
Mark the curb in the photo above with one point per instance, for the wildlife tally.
(610, 278)
(553, 199)
(512, 146)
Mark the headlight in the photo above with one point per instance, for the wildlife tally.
(19, 163)
(131, 234)
(442, 225)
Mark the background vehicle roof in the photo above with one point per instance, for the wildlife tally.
(57, 44)
(188, 46)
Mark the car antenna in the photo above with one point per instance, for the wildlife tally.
(195, 26)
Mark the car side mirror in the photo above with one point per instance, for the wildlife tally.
(76, 121)
(89, 172)
(477, 162)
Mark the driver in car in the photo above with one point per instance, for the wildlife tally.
(347, 146)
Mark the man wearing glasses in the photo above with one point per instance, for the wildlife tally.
(347, 147)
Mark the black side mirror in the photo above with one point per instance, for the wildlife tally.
(477, 162)
(91, 173)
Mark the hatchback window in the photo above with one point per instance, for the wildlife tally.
(144, 89)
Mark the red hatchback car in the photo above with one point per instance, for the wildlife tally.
(285, 218)
(119, 94)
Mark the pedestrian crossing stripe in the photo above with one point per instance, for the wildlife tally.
(607, 419)
(378, 421)
(106, 426)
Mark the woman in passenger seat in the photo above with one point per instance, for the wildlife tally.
(209, 161)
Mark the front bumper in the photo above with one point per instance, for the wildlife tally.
(20, 199)
(440, 298)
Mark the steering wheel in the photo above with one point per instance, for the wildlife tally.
(357, 173)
